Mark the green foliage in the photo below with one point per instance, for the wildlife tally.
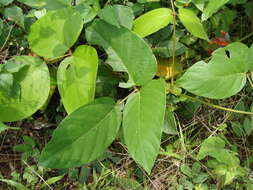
(28, 91)
(76, 78)
(117, 15)
(225, 164)
(152, 21)
(192, 23)
(223, 76)
(52, 35)
(212, 7)
(92, 125)
(124, 49)
(115, 59)
(142, 128)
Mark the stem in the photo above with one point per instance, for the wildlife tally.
(250, 80)
(57, 58)
(246, 37)
(124, 99)
(216, 106)
(7, 38)
(174, 41)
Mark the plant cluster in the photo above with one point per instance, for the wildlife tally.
(118, 69)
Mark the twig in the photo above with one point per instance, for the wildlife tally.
(216, 106)
(174, 41)
(36, 173)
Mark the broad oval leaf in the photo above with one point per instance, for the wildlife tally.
(223, 76)
(30, 90)
(54, 33)
(76, 78)
(143, 121)
(117, 15)
(192, 23)
(152, 21)
(212, 7)
(127, 52)
(83, 136)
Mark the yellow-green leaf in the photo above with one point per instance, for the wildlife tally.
(152, 21)
(76, 78)
(192, 23)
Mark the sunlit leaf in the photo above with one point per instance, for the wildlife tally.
(76, 78)
(30, 90)
(192, 23)
(53, 34)
(152, 21)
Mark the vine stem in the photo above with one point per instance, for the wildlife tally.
(57, 58)
(174, 41)
(124, 99)
(246, 37)
(250, 80)
(216, 106)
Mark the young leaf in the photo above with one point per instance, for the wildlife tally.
(83, 136)
(152, 21)
(76, 78)
(31, 89)
(117, 15)
(222, 77)
(143, 121)
(212, 7)
(211, 144)
(192, 23)
(53, 34)
(127, 52)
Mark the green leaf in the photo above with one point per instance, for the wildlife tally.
(142, 126)
(248, 126)
(200, 4)
(210, 145)
(5, 2)
(6, 83)
(212, 7)
(152, 21)
(15, 14)
(48, 4)
(53, 34)
(52, 180)
(83, 136)
(88, 9)
(117, 15)
(15, 184)
(170, 125)
(32, 85)
(127, 52)
(223, 76)
(192, 23)
(76, 78)
(4, 127)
